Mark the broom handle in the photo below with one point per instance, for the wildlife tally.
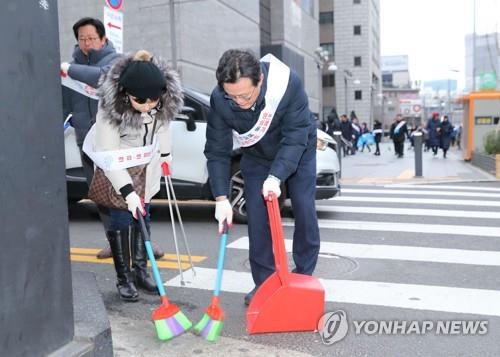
(151, 256)
(277, 237)
(220, 261)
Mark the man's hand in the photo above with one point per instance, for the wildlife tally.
(65, 67)
(134, 202)
(223, 211)
(272, 184)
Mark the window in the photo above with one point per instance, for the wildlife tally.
(326, 17)
(357, 29)
(330, 47)
(356, 1)
(358, 95)
(357, 61)
(328, 80)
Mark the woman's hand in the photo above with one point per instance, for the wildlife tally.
(134, 202)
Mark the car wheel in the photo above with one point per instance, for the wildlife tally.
(238, 194)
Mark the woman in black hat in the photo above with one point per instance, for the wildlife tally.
(138, 98)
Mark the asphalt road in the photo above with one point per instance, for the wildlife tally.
(390, 254)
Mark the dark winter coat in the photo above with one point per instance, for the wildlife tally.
(346, 129)
(378, 136)
(401, 134)
(86, 69)
(291, 132)
(446, 130)
(432, 126)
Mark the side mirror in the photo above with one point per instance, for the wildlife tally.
(188, 117)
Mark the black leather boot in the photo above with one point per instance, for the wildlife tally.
(119, 243)
(139, 262)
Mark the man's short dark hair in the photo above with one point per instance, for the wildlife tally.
(235, 64)
(99, 26)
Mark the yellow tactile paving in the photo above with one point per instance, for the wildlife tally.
(168, 261)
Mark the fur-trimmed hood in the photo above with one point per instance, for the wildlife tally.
(119, 111)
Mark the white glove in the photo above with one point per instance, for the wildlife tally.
(134, 202)
(272, 184)
(65, 67)
(223, 211)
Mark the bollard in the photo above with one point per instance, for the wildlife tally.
(337, 135)
(417, 144)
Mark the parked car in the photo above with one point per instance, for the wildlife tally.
(189, 166)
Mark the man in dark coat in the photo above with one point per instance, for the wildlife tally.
(399, 132)
(445, 131)
(284, 154)
(433, 132)
(347, 134)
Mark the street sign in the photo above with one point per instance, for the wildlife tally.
(113, 21)
(115, 4)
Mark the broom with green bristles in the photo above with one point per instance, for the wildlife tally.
(211, 324)
(168, 318)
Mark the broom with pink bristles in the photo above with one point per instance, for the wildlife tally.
(210, 326)
(169, 320)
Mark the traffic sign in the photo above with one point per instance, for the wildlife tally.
(113, 21)
(115, 4)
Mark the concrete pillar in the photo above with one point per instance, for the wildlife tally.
(36, 312)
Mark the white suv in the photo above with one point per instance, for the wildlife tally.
(189, 167)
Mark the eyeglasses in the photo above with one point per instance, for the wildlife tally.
(88, 39)
(245, 98)
(143, 100)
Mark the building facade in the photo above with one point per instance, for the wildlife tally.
(482, 61)
(350, 31)
(204, 29)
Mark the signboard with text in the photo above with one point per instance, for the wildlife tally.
(113, 21)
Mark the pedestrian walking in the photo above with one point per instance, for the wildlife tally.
(347, 135)
(366, 138)
(433, 132)
(138, 98)
(377, 131)
(399, 132)
(445, 131)
(264, 107)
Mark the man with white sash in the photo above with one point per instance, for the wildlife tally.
(262, 107)
(93, 55)
(399, 132)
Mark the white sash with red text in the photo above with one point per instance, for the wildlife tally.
(118, 159)
(79, 87)
(277, 82)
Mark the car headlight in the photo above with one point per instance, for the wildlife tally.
(321, 144)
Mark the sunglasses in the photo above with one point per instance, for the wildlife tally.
(143, 100)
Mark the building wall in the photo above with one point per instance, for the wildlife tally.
(367, 46)
(204, 30)
(485, 58)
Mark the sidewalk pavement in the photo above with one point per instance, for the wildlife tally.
(364, 168)
(132, 337)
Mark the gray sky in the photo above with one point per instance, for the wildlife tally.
(432, 33)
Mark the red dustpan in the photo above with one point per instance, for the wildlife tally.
(286, 301)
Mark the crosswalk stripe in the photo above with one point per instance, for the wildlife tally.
(410, 296)
(420, 192)
(409, 211)
(405, 227)
(446, 187)
(406, 200)
(396, 252)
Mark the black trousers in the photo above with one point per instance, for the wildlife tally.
(399, 147)
(301, 187)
